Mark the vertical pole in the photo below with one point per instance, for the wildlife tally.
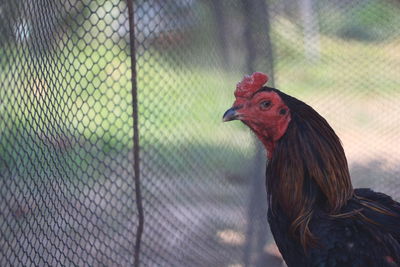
(310, 30)
(136, 159)
(259, 55)
(220, 22)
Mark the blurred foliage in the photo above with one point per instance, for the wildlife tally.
(352, 59)
(368, 20)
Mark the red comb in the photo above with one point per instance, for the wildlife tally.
(250, 84)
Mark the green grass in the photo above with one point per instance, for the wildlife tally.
(84, 99)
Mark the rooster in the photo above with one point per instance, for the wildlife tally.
(315, 215)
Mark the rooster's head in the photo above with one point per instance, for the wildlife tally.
(260, 108)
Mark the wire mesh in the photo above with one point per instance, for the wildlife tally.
(66, 121)
(183, 92)
(67, 193)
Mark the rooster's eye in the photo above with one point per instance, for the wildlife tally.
(265, 104)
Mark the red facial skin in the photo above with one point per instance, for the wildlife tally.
(268, 122)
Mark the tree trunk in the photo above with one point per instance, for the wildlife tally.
(311, 31)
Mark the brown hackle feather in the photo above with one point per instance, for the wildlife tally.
(308, 168)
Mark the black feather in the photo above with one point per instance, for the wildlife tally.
(347, 240)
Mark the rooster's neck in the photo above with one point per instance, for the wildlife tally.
(270, 136)
(269, 145)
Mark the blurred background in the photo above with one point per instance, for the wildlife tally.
(67, 188)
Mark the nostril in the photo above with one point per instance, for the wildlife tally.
(283, 111)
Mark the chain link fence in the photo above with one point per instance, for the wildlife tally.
(73, 147)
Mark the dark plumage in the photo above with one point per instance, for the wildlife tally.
(316, 217)
(344, 241)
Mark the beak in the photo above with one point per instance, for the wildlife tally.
(230, 115)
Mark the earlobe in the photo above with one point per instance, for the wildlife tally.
(282, 126)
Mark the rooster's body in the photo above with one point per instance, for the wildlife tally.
(342, 241)
(316, 217)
